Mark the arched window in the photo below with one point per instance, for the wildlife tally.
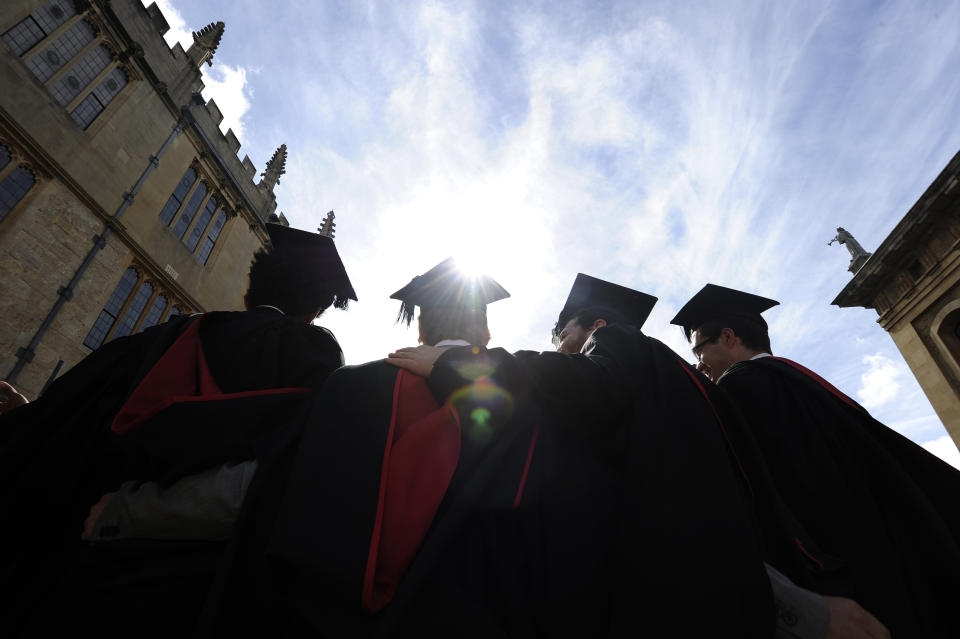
(38, 25)
(113, 307)
(88, 110)
(201, 226)
(80, 75)
(59, 52)
(190, 210)
(179, 194)
(155, 313)
(173, 313)
(212, 236)
(134, 310)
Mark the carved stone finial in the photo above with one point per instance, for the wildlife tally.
(205, 43)
(328, 227)
(276, 167)
(857, 253)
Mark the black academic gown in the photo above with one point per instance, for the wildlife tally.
(323, 552)
(883, 506)
(60, 454)
(635, 520)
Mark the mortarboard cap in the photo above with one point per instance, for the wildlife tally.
(317, 255)
(447, 286)
(714, 301)
(632, 306)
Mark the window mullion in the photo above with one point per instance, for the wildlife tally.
(74, 103)
(72, 63)
(146, 309)
(198, 214)
(186, 199)
(36, 49)
(123, 309)
(10, 167)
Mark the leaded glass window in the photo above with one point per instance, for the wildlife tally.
(155, 313)
(38, 25)
(201, 226)
(14, 187)
(212, 236)
(88, 110)
(109, 313)
(4, 156)
(190, 210)
(61, 51)
(80, 75)
(173, 313)
(129, 319)
(173, 204)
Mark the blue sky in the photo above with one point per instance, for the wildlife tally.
(660, 145)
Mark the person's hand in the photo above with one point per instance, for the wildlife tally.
(10, 398)
(90, 525)
(419, 360)
(849, 621)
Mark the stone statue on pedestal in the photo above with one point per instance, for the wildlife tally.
(857, 253)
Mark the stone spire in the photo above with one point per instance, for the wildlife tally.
(205, 43)
(328, 227)
(276, 167)
(858, 255)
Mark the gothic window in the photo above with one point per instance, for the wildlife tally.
(87, 111)
(179, 194)
(80, 75)
(155, 313)
(134, 310)
(14, 186)
(4, 156)
(190, 210)
(113, 307)
(212, 236)
(173, 313)
(61, 51)
(38, 25)
(198, 229)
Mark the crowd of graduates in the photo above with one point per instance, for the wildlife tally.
(225, 474)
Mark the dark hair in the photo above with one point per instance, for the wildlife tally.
(585, 317)
(279, 281)
(753, 334)
(441, 323)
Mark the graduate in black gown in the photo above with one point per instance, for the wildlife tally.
(386, 480)
(636, 517)
(883, 506)
(178, 399)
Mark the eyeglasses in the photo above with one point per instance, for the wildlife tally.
(698, 348)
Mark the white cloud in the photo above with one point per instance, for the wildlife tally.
(226, 84)
(179, 32)
(880, 384)
(945, 449)
(229, 89)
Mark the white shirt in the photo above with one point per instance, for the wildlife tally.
(453, 342)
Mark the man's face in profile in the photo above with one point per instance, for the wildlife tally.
(572, 338)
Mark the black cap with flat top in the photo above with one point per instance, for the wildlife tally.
(713, 302)
(630, 305)
(316, 254)
(446, 286)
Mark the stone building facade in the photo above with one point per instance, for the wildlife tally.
(913, 282)
(121, 201)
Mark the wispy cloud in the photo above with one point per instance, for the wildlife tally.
(880, 384)
(657, 145)
(945, 449)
